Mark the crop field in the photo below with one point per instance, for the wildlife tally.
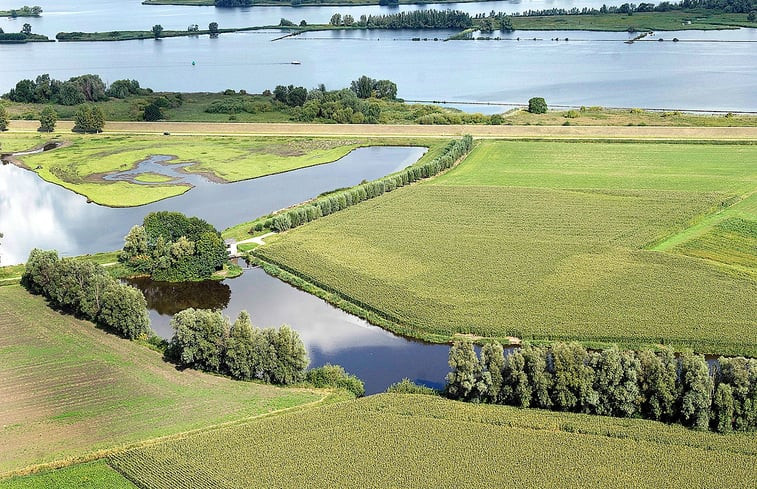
(384, 441)
(93, 475)
(80, 165)
(68, 389)
(547, 241)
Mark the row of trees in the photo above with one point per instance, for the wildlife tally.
(170, 246)
(84, 288)
(417, 19)
(25, 11)
(205, 340)
(652, 385)
(337, 201)
(727, 6)
(77, 90)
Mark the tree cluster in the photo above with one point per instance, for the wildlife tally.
(85, 289)
(233, 3)
(416, 19)
(366, 87)
(26, 11)
(335, 376)
(172, 247)
(291, 95)
(334, 202)
(726, 6)
(89, 118)
(77, 90)
(205, 340)
(647, 384)
(340, 106)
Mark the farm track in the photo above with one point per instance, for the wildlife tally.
(383, 130)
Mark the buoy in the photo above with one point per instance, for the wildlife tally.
(193, 63)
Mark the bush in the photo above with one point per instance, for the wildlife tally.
(407, 386)
(537, 105)
(335, 376)
(89, 118)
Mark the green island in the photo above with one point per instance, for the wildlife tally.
(506, 208)
(24, 11)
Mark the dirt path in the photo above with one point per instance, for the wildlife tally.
(380, 130)
(258, 240)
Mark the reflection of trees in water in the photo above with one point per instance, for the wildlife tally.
(172, 297)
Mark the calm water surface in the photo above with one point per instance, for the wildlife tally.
(331, 335)
(35, 213)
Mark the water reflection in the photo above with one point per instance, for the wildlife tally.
(331, 335)
(35, 213)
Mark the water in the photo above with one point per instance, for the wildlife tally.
(34, 213)
(377, 357)
(589, 69)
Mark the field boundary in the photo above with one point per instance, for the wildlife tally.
(629, 133)
(331, 396)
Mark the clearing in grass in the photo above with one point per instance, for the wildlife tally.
(547, 241)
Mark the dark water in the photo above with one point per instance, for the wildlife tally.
(35, 213)
(331, 335)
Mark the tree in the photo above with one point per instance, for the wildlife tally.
(516, 389)
(657, 384)
(213, 28)
(4, 119)
(493, 362)
(615, 381)
(157, 29)
(91, 86)
(124, 309)
(696, 388)
(26, 29)
(239, 349)
(537, 105)
(573, 386)
(752, 16)
(349, 20)
(336, 19)
(291, 358)
(199, 337)
(385, 89)
(152, 112)
(89, 118)
(463, 379)
(741, 375)
(539, 378)
(47, 119)
(70, 93)
(39, 271)
(363, 86)
(722, 409)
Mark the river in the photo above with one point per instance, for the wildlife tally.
(588, 69)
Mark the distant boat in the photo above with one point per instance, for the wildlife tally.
(296, 62)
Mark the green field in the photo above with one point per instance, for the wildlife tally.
(424, 441)
(92, 475)
(80, 165)
(546, 241)
(68, 389)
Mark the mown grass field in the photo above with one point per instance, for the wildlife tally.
(423, 441)
(68, 389)
(80, 165)
(546, 241)
(92, 475)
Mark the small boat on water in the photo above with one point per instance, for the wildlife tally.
(295, 62)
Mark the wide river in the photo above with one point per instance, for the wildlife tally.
(588, 69)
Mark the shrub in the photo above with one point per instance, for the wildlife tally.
(407, 386)
(537, 105)
(335, 376)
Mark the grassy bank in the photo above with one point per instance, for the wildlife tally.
(696, 19)
(383, 441)
(79, 166)
(147, 34)
(545, 241)
(82, 389)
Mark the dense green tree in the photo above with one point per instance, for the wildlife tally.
(47, 119)
(363, 86)
(741, 375)
(516, 388)
(539, 377)
(124, 88)
(657, 384)
(89, 118)
(335, 376)
(4, 119)
(291, 358)
(463, 381)
(696, 389)
(723, 409)
(573, 385)
(39, 271)
(152, 112)
(336, 19)
(616, 382)
(537, 105)
(91, 86)
(348, 20)
(26, 29)
(157, 30)
(199, 338)
(124, 309)
(213, 28)
(70, 93)
(240, 361)
(493, 362)
(385, 89)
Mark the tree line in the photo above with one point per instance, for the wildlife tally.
(337, 201)
(84, 288)
(646, 384)
(206, 340)
(417, 19)
(726, 6)
(76, 90)
(170, 246)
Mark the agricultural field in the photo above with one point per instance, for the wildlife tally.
(550, 240)
(383, 441)
(68, 389)
(82, 162)
(92, 475)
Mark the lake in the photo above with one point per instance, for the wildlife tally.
(588, 69)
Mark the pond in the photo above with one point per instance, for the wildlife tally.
(35, 213)
(376, 356)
